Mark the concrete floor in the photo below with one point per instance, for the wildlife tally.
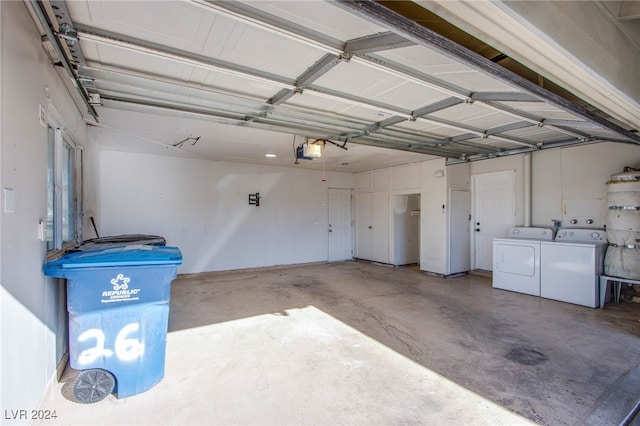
(358, 343)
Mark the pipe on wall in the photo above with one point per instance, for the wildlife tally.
(527, 188)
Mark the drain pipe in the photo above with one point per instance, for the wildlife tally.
(527, 188)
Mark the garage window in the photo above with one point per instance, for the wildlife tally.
(62, 191)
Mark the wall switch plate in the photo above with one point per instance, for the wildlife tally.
(8, 200)
(42, 233)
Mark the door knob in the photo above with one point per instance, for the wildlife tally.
(477, 229)
(330, 230)
(370, 227)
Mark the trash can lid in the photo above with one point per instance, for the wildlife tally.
(119, 240)
(129, 255)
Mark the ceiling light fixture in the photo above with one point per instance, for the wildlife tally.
(270, 155)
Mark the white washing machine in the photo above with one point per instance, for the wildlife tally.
(516, 259)
(571, 266)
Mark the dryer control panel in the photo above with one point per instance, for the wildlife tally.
(581, 235)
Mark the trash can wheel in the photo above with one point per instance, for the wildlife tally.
(93, 385)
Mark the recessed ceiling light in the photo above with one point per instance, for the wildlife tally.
(270, 155)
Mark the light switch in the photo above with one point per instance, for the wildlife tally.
(42, 233)
(8, 200)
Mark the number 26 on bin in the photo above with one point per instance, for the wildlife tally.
(126, 348)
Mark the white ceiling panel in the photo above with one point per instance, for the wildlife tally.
(357, 79)
(134, 60)
(240, 85)
(474, 81)
(137, 19)
(410, 95)
(542, 109)
(428, 128)
(251, 47)
(314, 102)
(445, 68)
(320, 16)
(542, 134)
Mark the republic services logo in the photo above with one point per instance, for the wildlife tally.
(121, 291)
(120, 282)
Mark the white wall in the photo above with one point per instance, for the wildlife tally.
(202, 208)
(433, 217)
(30, 307)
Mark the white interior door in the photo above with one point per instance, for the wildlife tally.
(493, 213)
(459, 229)
(339, 224)
(380, 226)
(364, 226)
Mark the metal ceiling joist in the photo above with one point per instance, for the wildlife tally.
(574, 124)
(376, 43)
(317, 70)
(392, 21)
(437, 106)
(504, 97)
(509, 127)
(538, 121)
(474, 130)
(372, 141)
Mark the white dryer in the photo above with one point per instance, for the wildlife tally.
(516, 259)
(571, 266)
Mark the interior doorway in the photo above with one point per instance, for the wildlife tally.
(406, 229)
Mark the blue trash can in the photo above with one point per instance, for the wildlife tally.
(118, 303)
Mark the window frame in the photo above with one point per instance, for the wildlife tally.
(63, 143)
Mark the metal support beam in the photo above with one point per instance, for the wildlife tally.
(46, 24)
(377, 43)
(437, 106)
(317, 70)
(504, 97)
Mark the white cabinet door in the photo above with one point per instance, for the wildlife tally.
(372, 226)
